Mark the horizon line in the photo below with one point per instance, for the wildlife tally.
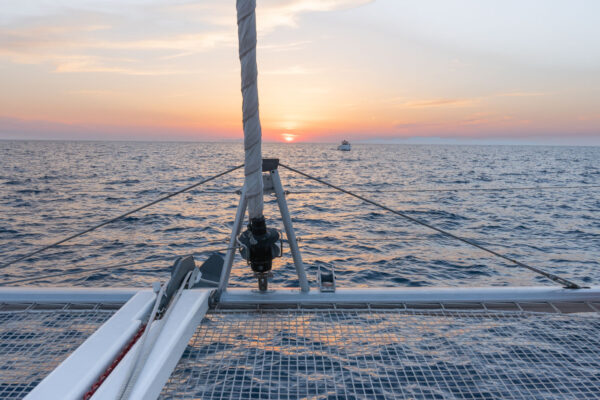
(408, 141)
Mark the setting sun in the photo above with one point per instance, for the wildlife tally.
(171, 71)
(288, 137)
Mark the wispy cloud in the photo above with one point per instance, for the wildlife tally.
(320, 90)
(97, 64)
(293, 70)
(83, 40)
(276, 13)
(439, 103)
(194, 42)
(458, 102)
(95, 92)
(521, 94)
(415, 125)
(74, 50)
(272, 14)
(283, 46)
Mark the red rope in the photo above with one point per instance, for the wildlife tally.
(114, 364)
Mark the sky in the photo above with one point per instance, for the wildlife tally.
(522, 71)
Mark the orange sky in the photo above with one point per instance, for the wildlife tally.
(328, 70)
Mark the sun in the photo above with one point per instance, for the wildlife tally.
(288, 137)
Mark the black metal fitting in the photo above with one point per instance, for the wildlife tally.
(270, 164)
(259, 248)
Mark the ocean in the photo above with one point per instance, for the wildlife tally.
(546, 213)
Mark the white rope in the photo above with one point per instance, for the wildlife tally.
(246, 20)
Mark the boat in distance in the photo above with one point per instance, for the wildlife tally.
(345, 146)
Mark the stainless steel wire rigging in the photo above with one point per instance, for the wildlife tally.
(565, 282)
(93, 228)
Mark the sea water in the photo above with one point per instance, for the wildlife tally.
(546, 215)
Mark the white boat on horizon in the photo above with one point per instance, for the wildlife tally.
(345, 146)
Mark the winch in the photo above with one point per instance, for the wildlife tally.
(259, 247)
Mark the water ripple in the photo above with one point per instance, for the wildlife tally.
(52, 189)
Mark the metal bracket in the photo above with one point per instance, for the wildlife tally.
(326, 279)
(289, 230)
(268, 187)
(182, 266)
(272, 184)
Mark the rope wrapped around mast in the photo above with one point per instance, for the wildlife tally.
(246, 20)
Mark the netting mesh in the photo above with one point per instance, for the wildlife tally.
(390, 354)
(34, 339)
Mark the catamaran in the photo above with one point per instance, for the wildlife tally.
(195, 337)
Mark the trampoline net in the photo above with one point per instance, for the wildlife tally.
(35, 338)
(390, 354)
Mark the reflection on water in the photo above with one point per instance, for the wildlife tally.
(51, 189)
(389, 354)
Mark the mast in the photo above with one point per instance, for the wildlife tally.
(246, 20)
(260, 242)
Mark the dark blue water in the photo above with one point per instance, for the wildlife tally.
(49, 190)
